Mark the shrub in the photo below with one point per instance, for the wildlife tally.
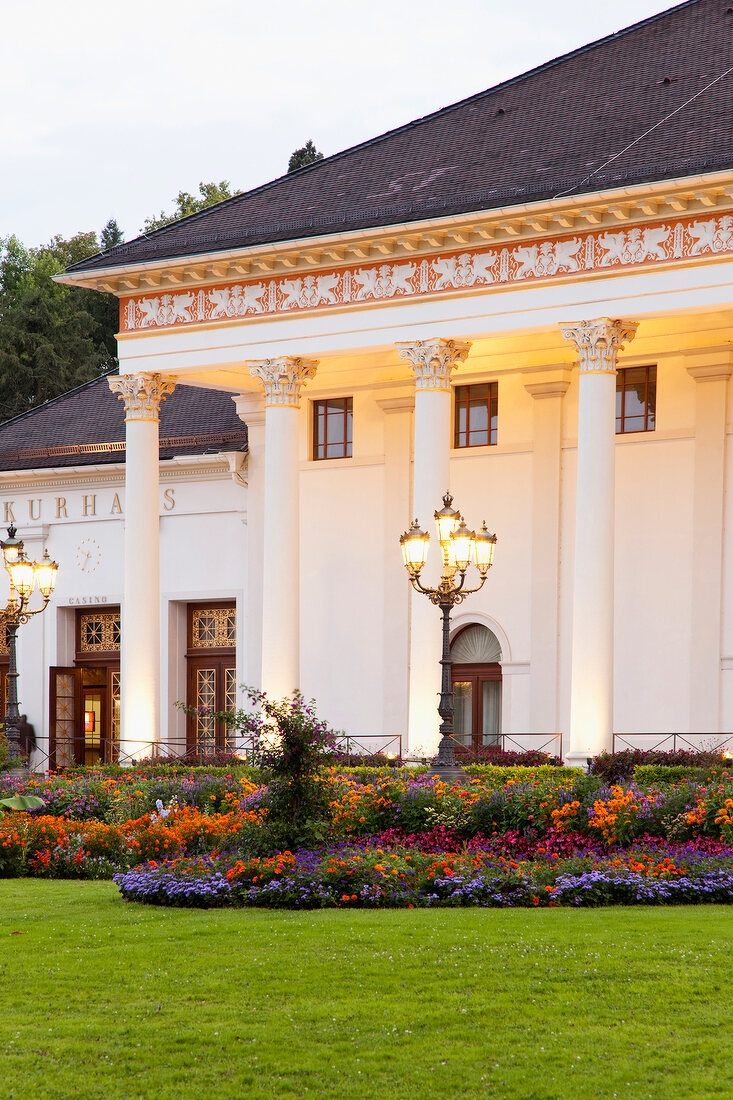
(647, 775)
(497, 775)
(619, 767)
(503, 758)
(294, 746)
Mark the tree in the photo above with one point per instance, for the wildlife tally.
(73, 250)
(111, 235)
(308, 154)
(186, 204)
(52, 337)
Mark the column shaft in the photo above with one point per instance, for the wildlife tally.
(433, 362)
(711, 396)
(547, 391)
(431, 479)
(140, 644)
(281, 555)
(140, 647)
(591, 688)
(395, 658)
(282, 380)
(591, 701)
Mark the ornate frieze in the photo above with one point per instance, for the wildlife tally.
(283, 379)
(433, 361)
(142, 394)
(599, 342)
(571, 255)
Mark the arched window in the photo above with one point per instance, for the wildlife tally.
(476, 675)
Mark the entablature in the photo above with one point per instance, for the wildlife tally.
(633, 206)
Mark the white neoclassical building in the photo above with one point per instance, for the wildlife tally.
(525, 298)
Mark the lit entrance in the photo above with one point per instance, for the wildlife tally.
(85, 697)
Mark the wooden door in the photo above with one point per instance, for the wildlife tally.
(66, 743)
(477, 705)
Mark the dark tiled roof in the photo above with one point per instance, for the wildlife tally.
(86, 427)
(528, 139)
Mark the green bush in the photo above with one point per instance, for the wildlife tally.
(655, 775)
(498, 776)
(364, 773)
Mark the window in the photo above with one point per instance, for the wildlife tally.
(98, 632)
(333, 428)
(476, 414)
(636, 399)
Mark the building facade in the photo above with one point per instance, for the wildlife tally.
(62, 485)
(525, 299)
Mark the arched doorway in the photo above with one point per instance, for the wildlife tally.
(476, 677)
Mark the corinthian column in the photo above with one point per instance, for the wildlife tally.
(282, 380)
(433, 362)
(591, 688)
(140, 643)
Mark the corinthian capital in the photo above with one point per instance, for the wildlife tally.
(142, 394)
(283, 379)
(599, 342)
(433, 361)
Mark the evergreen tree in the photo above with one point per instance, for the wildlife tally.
(52, 337)
(111, 235)
(307, 154)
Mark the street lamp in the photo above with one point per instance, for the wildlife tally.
(459, 548)
(24, 576)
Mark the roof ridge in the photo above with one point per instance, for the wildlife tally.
(403, 128)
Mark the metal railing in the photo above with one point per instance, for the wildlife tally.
(673, 742)
(379, 744)
(73, 753)
(550, 743)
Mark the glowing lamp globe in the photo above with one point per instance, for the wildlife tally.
(46, 575)
(22, 575)
(484, 544)
(462, 544)
(414, 545)
(11, 547)
(447, 519)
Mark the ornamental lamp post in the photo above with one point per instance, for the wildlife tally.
(459, 547)
(25, 575)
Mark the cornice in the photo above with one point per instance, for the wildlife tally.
(624, 206)
(684, 240)
(113, 476)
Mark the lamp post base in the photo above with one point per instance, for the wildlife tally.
(17, 770)
(448, 773)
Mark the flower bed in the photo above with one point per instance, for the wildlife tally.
(529, 836)
(374, 878)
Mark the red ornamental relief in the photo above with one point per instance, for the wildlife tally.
(509, 264)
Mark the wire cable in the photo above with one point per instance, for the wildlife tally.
(641, 137)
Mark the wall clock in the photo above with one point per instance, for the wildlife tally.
(88, 555)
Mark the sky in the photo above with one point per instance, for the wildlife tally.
(109, 110)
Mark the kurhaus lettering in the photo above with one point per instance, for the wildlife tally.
(81, 506)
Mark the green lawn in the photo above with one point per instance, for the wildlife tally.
(103, 999)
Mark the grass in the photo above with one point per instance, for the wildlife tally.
(103, 999)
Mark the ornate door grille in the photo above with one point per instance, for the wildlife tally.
(212, 677)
